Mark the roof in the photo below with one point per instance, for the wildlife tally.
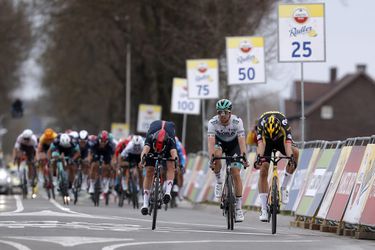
(345, 81)
(313, 90)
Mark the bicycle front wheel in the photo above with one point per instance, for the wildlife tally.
(230, 202)
(155, 202)
(274, 205)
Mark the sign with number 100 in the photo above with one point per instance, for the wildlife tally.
(301, 33)
(180, 102)
(203, 78)
(245, 60)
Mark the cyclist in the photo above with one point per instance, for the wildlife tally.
(181, 170)
(104, 147)
(131, 153)
(160, 140)
(64, 147)
(226, 134)
(45, 141)
(26, 144)
(273, 132)
(84, 153)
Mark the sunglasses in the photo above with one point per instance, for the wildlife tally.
(223, 112)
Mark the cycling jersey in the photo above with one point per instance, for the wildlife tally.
(133, 149)
(121, 146)
(181, 153)
(169, 127)
(68, 151)
(32, 142)
(46, 143)
(285, 131)
(226, 133)
(107, 151)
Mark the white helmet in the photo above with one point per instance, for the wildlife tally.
(27, 133)
(137, 140)
(74, 134)
(83, 135)
(65, 140)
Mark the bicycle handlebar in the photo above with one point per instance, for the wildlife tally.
(157, 157)
(230, 159)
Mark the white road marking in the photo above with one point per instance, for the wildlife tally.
(15, 245)
(18, 203)
(69, 241)
(112, 247)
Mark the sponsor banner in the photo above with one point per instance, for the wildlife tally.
(301, 33)
(310, 167)
(313, 184)
(188, 171)
(203, 78)
(368, 215)
(245, 60)
(332, 156)
(119, 130)
(200, 181)
(347, 181)
(299, 174)
(246, 184)
(361, 188)
(331, 190)
(254, 192)
(196, 166)
(180, 102)
(146, 115)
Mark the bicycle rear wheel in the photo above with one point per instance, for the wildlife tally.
(155, 201)
(24, 183)
(274, 204)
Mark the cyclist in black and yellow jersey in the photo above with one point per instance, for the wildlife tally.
(273, 133)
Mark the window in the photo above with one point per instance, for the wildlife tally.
(326, 112)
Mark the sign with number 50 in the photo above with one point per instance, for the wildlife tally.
(245, 57)
(301, 33)
(203, 78)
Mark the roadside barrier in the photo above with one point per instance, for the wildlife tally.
(332, 190)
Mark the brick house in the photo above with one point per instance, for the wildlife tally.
(336, 110)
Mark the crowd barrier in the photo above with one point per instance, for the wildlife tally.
(332, 189)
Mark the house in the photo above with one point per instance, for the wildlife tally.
(336, 110)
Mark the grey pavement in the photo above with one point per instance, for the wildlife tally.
(47, 224)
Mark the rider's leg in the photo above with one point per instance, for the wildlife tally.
(290, 169)
(263, 184)
(126, 183)
(93, 175)
(106, 175)
(170, 177)
(147, 185)
(237, 186)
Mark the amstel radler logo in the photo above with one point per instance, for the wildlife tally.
(203, 76)
(301, 17)
(245, 49)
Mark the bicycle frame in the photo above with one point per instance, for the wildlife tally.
(274, 201)
(228, 200)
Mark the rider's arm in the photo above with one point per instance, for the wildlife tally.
(211, 140)
(145, 151)
(241, 136)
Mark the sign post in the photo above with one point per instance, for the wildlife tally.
(181, 104)
(203, 83)
(301, 38)
(246, 65)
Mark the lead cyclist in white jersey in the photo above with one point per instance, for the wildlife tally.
(226, 134)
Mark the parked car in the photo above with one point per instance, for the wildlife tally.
(5, 181)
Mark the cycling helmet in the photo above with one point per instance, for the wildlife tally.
(83, 135)
(74, 135)
(272, 126)
(49, 134)
(65, 140)
(137, 140)
(27, 133)
(103, 136)
(159, 140)
(224, 104)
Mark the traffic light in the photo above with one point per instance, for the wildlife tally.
(17, 109)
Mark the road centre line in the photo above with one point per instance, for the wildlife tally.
(19, 204)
